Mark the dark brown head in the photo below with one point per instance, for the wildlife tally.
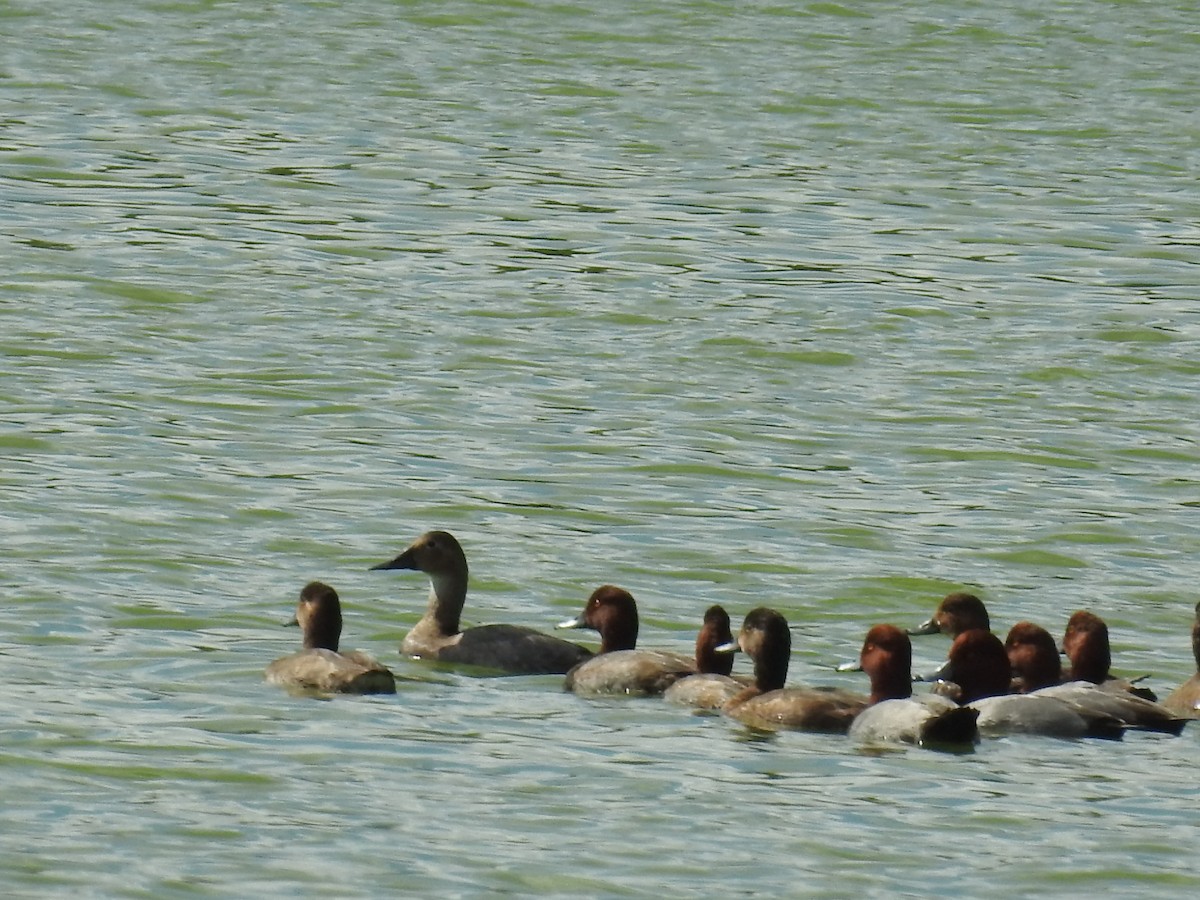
(886, 657)
(319, 615)
(958, 612)
(766, 639)
(978, 664)
(436, 553)
(1086, 645)
(1033, 656)
(612, 611)
(714, 633)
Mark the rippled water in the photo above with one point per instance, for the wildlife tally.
(832, 307)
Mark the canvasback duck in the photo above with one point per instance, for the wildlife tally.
(319, 666)
(1037, 670)
(768, 705)
(513, 649)
(1085, 644)
(956, 613)
(1185, 699)
(619, 667)
(713, 686)
(978, 665)
(894, 714)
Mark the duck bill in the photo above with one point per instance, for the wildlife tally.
(852, 665)
(403, 561)
(574, 622)
(930, 627)
(944, 672)
(727, 647)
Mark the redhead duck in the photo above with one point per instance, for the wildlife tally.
(1036, 670)
(979, 667)
(620, 668)
(956, 613)
(768, 705)
(1033, 656)
(506, 648)
(1185, 699)
(894, 714)
(319, 666)
(1086, 646)
(713, 687)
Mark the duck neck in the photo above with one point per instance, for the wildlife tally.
(770, 673)
(618, 634)
(447, 594)
(891, 681)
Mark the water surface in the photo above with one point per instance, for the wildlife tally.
(828, 307)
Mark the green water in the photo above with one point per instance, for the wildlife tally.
(830, 307)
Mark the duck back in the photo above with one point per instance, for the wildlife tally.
(632, 672)
(318, 669)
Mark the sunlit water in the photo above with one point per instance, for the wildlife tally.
(830, 307)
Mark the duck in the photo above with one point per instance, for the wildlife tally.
(1037, 670)
(957, 612)
(894, 714)
(619, 667)
(713, 685)
(767, 704)
(1086, 645)
(510, 649)
(1185, 699)
(979, 668)
(319, 666)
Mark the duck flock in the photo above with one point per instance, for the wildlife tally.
(986, 687)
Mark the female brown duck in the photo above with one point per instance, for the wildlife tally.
(319, 666)
(768, 704)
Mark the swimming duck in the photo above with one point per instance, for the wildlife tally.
(768, 704)
(319, 666)
(894, 714)
(514, 649)
(979, 667)
(1185, 699)
(1036, 670)
(618, 667)
(713, 686)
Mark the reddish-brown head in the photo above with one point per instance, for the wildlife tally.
(1086, 646)
(887, 659)
(714, 633)
(958, 612)
(979, 665)
(612, 611)
(1033, 656)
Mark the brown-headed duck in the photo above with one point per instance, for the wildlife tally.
(982, 675)
(956, 613)
(513, 649)
(618, 667)
(1033, 656)
(1086, 645)
(894, 714)
(319, 666)
(768, 705)
(713, 687)
(1037, 670)
(1185, 699)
